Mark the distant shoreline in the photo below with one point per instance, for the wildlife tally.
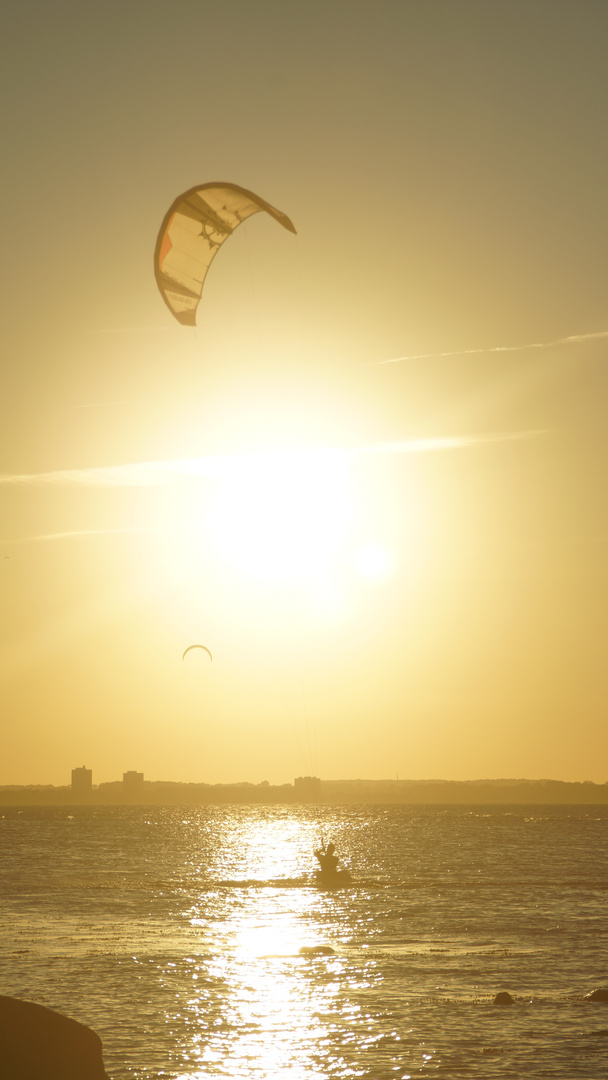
(323, 792)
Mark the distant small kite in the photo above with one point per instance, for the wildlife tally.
(203, 647)
(192, 232)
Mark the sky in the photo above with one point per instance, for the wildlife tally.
(372, 479)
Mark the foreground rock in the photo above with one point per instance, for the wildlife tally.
(39, 1044)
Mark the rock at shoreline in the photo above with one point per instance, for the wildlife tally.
(601, 994)
(503, 998)
(39, 1044)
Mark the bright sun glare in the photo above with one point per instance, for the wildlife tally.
(316, 523)
(375, 562)
(282, 516)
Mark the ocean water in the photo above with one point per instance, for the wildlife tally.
(175, 932)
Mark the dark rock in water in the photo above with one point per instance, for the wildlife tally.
(39, 1044)
(316, 950)
(601, 994)
(503, 998)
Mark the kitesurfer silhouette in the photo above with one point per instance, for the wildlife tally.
(328, 861)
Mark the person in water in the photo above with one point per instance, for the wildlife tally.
(328, 861)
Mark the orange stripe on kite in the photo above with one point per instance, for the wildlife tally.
(166, 243)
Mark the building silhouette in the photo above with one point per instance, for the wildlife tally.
(82, 781)
(133, 783)
(307, 788)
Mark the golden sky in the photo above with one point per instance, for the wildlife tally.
(372, 480)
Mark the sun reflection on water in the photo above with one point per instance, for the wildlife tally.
(261, 850)
(274, 1011)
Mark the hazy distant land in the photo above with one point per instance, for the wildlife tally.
(313, 790)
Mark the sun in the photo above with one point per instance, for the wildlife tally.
(375, 562)
(287, 517)
(281, 515)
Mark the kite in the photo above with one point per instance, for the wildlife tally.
(193, 230)
(204, 647)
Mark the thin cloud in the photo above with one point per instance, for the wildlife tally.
(136, 329)
(572, 339)
(142, 474)
(445, 442)
(104, 404)
(80, 534)
(161, 473)
(76, 533)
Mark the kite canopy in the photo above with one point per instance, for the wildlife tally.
(193, 230)
(203, 647)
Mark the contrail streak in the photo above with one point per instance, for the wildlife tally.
(160, 473)
(136, 330)
(572, 339)
(140, 474)
(105, 404)
(75, 533)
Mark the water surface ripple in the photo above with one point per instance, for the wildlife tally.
(176, 934)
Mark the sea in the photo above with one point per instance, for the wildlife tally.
(194, 941)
